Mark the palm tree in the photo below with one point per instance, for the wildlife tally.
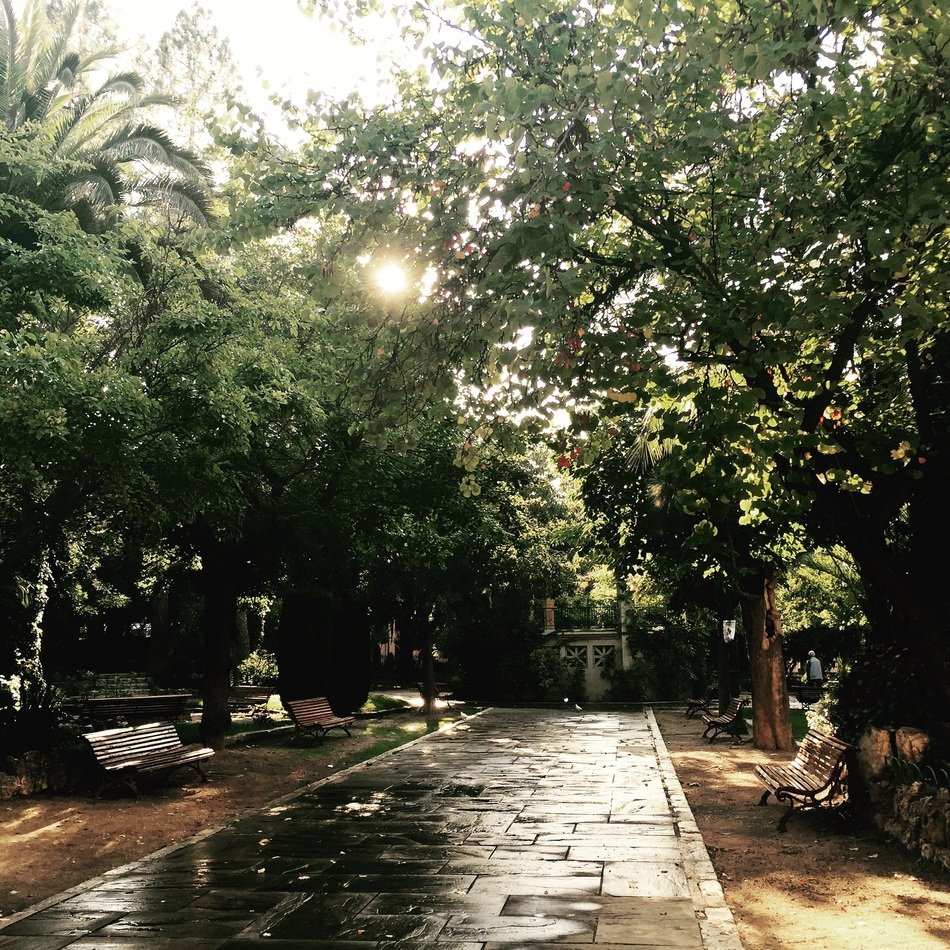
(106, 159)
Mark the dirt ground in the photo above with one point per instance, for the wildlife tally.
(824, 884)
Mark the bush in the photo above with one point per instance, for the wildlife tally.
(259, 669)
(867, 693)
(553, 679)
(29, 717)
(632, 685)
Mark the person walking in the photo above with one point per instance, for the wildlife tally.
(813, 670)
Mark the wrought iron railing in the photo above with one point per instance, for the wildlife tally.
(590, 615)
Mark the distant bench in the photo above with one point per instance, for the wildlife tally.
(154, 747)
(121, 684)
(702, 703)
(246, 695)
(315, 715)
(730, 722)
(806, 695)
(133, 709)
(440, 692)
(811, 780)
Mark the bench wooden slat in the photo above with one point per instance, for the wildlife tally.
(812, 779)
(152, 747)
(315, 715)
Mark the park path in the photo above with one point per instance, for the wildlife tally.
(514, 828)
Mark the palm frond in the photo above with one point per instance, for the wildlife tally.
(11, 84)
(95, 120)
(31, 41)
(66, 71)
(83, 123)
(97, 56)
(647, 449)
(56, 63)
(38, 101)
(148, 143)
(129, 84)
(186, 198)
(96, 189)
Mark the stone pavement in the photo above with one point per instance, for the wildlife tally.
(515, 828)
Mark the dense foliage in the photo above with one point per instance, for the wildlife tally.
(731, 216)
(706, 241)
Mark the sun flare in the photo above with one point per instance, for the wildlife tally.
(391, 278)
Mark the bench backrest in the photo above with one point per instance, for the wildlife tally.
(244, 691)
(820, 754)
(111, 746)
(308, 712)
(121, 684)
(142, 707)
(735, 704)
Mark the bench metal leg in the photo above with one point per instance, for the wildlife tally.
(128, 780)
(783, 821)
(765, 797)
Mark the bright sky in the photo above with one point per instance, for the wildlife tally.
(292, 52)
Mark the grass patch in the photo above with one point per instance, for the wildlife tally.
(188, 731)
(385, 735)
(799, 722)
(377, 702)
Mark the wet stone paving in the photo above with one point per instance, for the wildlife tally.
(514, 828)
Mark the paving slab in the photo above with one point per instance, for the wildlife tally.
(513, 828)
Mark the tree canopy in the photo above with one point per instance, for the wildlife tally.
(732, 217)
(702, 246)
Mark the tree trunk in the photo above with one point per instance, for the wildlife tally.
(219, 585)
(771, 723)
(907, 598)
(427, 668)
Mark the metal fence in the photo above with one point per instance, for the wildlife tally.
(589, 615)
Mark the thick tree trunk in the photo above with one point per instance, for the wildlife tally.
(771, 723)
(907, 599)
(302, 655)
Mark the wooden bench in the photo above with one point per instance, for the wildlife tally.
(154, 747)
(315, 715)
(135, 709)
(811, 780)
(441, 693)
(701, 704)
(806, 695)
(121, 684)
(730, 722)
(244, 695)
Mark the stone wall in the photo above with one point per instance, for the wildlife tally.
(64, 769)
(915, 813)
